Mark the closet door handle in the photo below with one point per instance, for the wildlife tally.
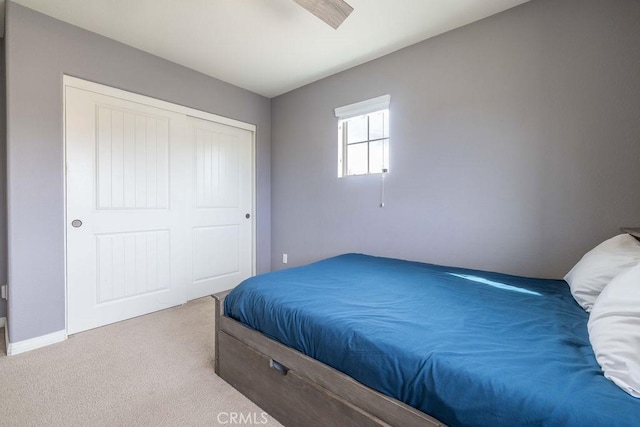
(76, 223)
(247, 216)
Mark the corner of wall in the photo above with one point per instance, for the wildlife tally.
(3, 173)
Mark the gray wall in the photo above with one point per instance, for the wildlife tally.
(3, 180)
(515, 145)
(39, 50)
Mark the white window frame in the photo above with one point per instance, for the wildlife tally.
(350, 111)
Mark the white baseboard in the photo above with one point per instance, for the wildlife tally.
(3, 322)
(14, 348)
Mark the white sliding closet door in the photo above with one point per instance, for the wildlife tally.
(156, 207)
(221, 207)
(128, 255)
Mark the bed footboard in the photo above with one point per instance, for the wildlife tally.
(296, 389)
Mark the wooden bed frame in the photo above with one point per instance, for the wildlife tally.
(296, 389)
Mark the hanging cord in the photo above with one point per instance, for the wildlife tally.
(384, 172)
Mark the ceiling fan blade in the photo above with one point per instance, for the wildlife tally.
(333, 12)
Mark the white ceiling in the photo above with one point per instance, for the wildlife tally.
(267, 46)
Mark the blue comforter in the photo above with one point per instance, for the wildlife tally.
(468, 347)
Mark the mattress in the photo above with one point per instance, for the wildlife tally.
(471, 348)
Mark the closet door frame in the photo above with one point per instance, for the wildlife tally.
(70, 81)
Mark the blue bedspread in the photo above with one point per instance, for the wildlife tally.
(469, 347)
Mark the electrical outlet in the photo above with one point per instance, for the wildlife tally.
(284, 258)
(3, 291)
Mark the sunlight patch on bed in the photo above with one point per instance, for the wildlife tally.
(495, 284)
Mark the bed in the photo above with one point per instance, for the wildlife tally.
(362, 340)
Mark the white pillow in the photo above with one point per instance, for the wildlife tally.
(604, 262)
(614, 331)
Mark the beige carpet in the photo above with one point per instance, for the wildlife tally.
(151, 370)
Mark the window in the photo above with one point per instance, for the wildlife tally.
(363, 137)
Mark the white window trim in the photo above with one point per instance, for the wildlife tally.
(363, 107)
(354, 110)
